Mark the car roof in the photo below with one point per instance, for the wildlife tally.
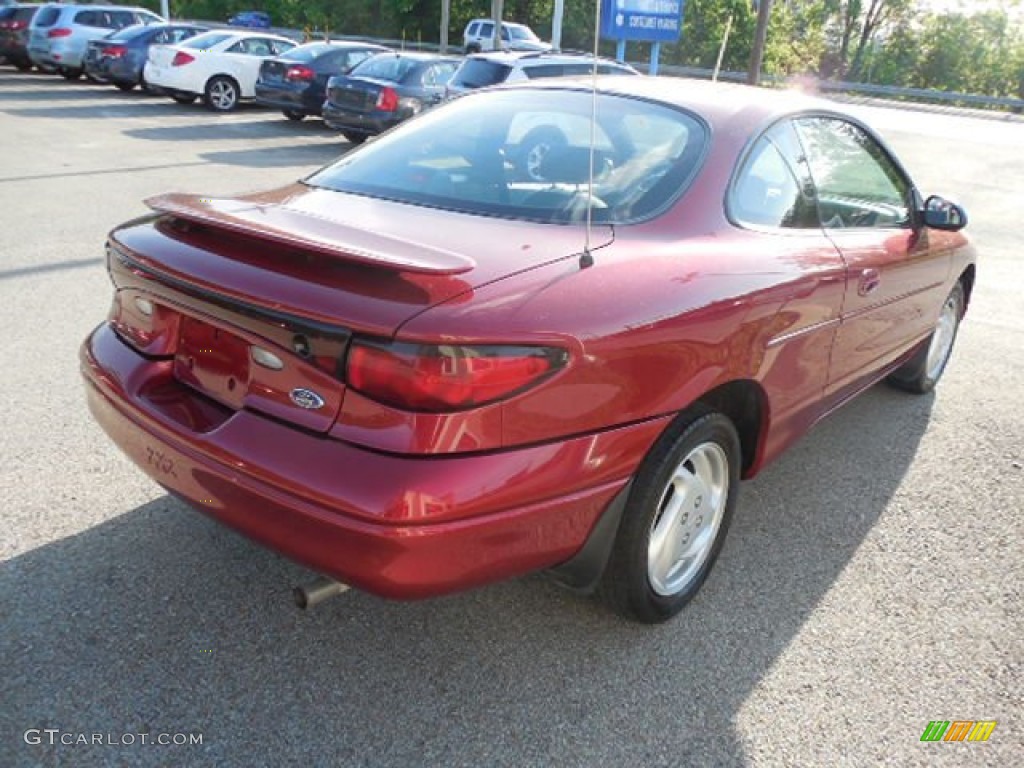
(716, 102)
(541, 57)
(416, 55)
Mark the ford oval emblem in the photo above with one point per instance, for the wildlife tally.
(306, 398)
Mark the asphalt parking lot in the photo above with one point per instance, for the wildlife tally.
(871, 583)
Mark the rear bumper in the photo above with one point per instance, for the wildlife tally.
(367, 123)
(396, 526)
(284, 99)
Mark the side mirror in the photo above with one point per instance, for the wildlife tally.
(939, 213)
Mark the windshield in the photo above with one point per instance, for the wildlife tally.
(524, 154)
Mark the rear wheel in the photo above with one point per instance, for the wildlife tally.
(922, 372)
(23, 66)
(293, 115)
(184, 98)
(125, 86)
(70, 73)
(222, 94)
(676, 518)
(354, 138)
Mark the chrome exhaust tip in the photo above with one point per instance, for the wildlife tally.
(310, 595)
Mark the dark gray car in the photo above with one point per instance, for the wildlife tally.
(385, 90)
(120, 57)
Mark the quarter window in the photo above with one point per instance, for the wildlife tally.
(858, 184)
(773, 188)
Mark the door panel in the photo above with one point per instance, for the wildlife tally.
(894, 281)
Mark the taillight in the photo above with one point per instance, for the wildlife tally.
(115, 51)
(6, 25)
(59, 32)
(181, 59)
(299, 72)
(150, 328)
(18, 25)
(422, 377)
(387, 99)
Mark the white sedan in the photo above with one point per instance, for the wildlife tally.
(220, 65)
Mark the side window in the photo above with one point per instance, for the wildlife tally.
(438, 74)
(119, 19)
(773, 188)
(277, 47)
(164, 37)
(486, 29)
(87, 18)
(259, 47)
(858, 184)
(242, 46)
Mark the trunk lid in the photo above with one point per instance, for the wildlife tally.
(291, 275)
(162, 55)
(357, 94)
(273, 71)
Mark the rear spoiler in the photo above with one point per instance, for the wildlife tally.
(310, 232)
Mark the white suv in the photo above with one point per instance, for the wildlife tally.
(479, 36)
(59, 35)
(483, 69)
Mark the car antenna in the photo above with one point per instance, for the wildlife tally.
(586, 258)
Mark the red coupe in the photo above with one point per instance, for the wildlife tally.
(428, 366)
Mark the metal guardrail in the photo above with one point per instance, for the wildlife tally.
(867, 89)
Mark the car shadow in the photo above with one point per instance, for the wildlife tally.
(228, 129)
(281, 157)
(162, 621)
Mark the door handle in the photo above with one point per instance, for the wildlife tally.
(869, 281)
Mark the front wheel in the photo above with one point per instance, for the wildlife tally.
(221, 94)
(70, 73)
(676, 518)
(354, 138)
(922, 372)
(293, 115)
(183, 98)
(124, 86)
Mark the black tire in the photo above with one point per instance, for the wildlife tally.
(472, 48)
(294, 115)
(534, 148)
(70, 73)
(221, 94)
(23, 66)
(122, 86)
(669, 498)
(922, 372)
(184, 98)
(354, 138)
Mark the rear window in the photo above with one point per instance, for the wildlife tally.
(525, 154)
(385, 67)
(206, 40)
(476, 73)
(24, 14)
(306, 53)
(128, 33)
(47, 17)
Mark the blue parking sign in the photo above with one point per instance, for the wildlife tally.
(651, 20)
